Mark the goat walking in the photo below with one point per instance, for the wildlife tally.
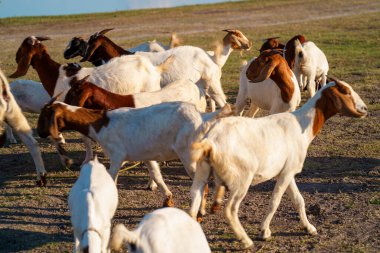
(268, 147)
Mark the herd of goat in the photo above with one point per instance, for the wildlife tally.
(154, 103)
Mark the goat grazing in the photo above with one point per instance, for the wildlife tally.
(269, 147)
(160, 132)
(11, 113)
(166, 230)
(122, 75)
(269, 84)
(92, 201)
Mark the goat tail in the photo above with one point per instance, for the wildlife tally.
(120, 234)
(174, 41)
(164, 66)
(201, 151)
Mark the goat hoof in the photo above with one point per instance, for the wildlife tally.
(168, 202)
(152, 187)
(199, 217)
(216, 207)
(68, 162)
(265, 235)
(247, 244)
(312, 231)
(42, 181)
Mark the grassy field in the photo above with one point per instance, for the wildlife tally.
(341, 177)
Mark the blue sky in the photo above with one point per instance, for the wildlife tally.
(12, 8)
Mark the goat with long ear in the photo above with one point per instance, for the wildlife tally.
(269, 147)
(11, 113)
(269, 83)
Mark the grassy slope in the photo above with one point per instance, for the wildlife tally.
(350, 43)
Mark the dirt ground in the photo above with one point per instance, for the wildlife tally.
(340, 181)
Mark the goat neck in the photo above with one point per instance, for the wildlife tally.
(336, 97)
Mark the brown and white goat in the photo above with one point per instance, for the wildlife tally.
(86, 94)
(160, 132)
(107, 49)
(197, 65)
(122, 75)
(269, 84)
(256, 150)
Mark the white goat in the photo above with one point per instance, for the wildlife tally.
(154, 46)
(268, 83)
(11, 113)
(92, 201)
(160, 132)
(30, 96)
(166, 230)
(244, 151)
(122, 75)
(191, 63)
(310, 66)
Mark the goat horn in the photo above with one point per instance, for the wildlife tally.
(105, 31)
(229, 30)
(54, 98)
(42, 38)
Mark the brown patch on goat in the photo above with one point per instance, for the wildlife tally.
(271, 43)
(88, 95)
(72, 69)
(335, 99)
(290, 49)
(270, 64)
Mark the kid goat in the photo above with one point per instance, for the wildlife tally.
(270, 147)
(166, 230)
(92, 202)
(161, 132)
(11, 113)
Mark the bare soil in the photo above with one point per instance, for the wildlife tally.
(340, 181)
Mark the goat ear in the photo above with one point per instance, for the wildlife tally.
(102, 32)
(22, 66)
(53, 125)
(53, 99)
(264, 72)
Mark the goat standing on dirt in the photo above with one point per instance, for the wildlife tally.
(269, 84)
(166, 230)
(92, 201)
(256, 150)
(160, 132)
